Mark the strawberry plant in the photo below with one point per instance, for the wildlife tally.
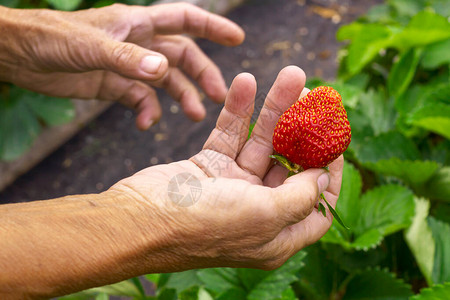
(394, 80)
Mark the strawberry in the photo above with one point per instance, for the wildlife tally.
(314, 131)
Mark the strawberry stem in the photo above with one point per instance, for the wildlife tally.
(333, 212)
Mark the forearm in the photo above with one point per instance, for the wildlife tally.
(59, 246)
(8, 44)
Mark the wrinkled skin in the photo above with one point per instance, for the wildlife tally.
(98, 53)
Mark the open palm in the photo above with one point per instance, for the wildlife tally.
(242, 190)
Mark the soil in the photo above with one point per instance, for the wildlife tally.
(278, 33)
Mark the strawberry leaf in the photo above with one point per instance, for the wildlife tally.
(441, 266)
(377, 213)
(436, 54)
(438, 186)
(229, 283)
(377, 284)
(403, 71)
(333, 212)
(420, 240)
(434, 117)
(412, 172)
(438, 291)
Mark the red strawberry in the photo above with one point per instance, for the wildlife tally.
(314, 131)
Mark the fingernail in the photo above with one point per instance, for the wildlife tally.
(149, 124)
(151, 64)
(323, 182)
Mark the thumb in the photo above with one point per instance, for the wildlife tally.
(297, 196)
(133, 61)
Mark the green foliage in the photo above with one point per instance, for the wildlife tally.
(394, 77)
(436, 292)
(23, 114)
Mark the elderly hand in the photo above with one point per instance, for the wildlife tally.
(241, 211)
(116, 53)
(229, 205)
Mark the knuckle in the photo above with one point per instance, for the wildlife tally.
(121, 53)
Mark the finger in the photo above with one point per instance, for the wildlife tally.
(300, 235)
(296, 197)
(276, 175)
(130, 60)
(183, 91)
(184, 53)
(232, 125)
(133, 94)
(187, 18)
(315, 225)
(285, 91)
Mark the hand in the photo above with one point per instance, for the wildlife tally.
(116, 53)
(244, 212)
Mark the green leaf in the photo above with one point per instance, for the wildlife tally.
(250, 129)
(102, 296)
(436, 292)
(204, 295)
(234, 293)
(377, 284)
(420, 240)
(167, 294)
(388, 208)
(436, 54)
(378, 111)
(368, 41)
(65, 4)
(424, 28)
(349, 197)
(407, 7)
(183, 280)
(441, 234)
(18, 127)
(412, 172)
(434, 117)
(353, 261)
(220, 280)
(333, 212)
(53, 111)
(379, 14)
(438, 187)
(277, 281)
(123, 288)
(288, 294)
(361, 129)
(441, 7)
(154, 278)
(403, 71)
(320, 275)
(386, 146)
(377, 213)
(195, 293)
(351, 94)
